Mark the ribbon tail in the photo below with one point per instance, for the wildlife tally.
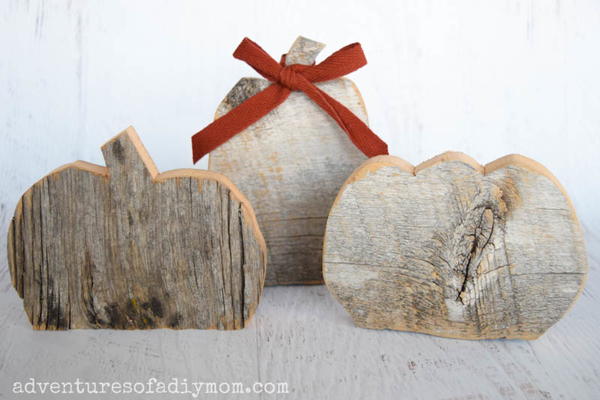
(358, 132)
(236, 120)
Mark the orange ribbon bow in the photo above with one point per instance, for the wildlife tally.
(286, 79)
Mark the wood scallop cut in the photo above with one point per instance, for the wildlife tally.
(452, 248)
(125, 247)
(291, 164)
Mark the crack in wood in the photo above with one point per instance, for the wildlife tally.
(473, 260)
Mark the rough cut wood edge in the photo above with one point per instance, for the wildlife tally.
(158, 177)
(374, 163)
(234, 98)
(163, 176)
(104, 172)
(377, 162)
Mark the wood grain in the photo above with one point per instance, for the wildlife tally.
(291, 165)
(489, 78)
(125, 247)
(455, 249)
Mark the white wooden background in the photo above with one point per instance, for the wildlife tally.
(483, 77)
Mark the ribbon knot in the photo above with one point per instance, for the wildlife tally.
(286, 79)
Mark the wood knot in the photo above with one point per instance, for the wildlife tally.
(479, 241)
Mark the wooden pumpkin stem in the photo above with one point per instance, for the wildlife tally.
(303, 51)
(127, 159)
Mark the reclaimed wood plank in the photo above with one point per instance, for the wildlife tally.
(291, 164)
(125, 247)
(452, 248)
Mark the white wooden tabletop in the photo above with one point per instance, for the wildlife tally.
(484, 77)
(301, 336)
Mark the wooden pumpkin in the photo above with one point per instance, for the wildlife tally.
(125, 247)
(455, 249)
(291, 164)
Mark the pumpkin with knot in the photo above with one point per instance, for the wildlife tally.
(453, 248)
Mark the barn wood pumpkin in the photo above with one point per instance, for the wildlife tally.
(125, 247)
(452, 248)
(291, 164)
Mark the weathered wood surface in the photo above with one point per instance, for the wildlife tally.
(125, 247)
(291, 165)
(441, 73)
(454, 249)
